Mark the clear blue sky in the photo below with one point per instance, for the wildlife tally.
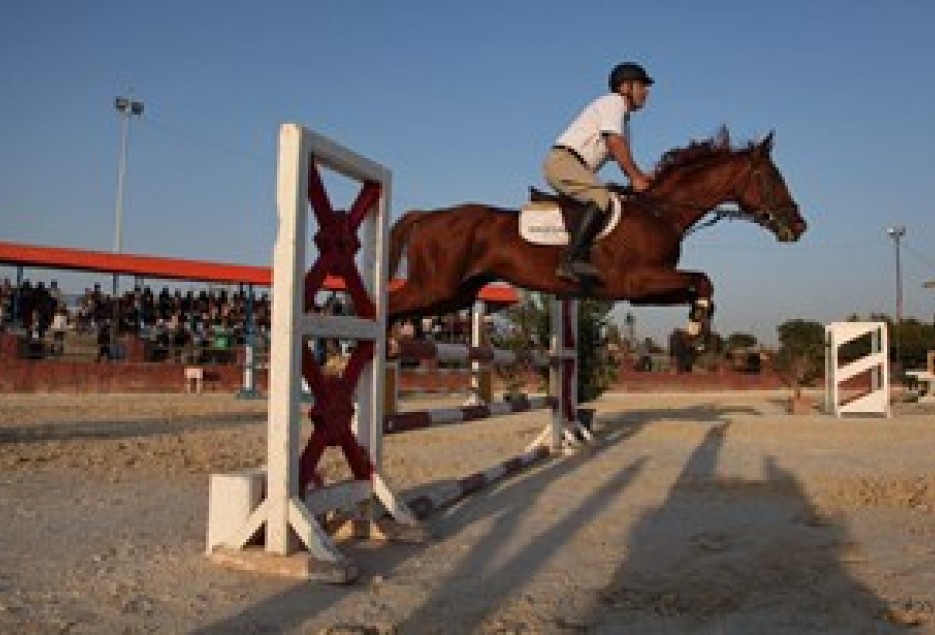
(461, 101)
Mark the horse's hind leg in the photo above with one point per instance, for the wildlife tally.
(420, 294)
(412, 299)
(406, 301)
(436, 279)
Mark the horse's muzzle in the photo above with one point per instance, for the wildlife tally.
(787, 229)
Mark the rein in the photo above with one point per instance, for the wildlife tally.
(717, 214)
(723, 213)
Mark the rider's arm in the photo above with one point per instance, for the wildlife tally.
(619, 149)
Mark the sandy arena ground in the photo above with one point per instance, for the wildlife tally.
(701, 514)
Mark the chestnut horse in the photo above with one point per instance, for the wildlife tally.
(453, 252)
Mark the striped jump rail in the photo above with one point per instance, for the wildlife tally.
(413, 349)
(444, 496)
(404, 421)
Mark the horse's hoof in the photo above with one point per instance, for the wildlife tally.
(701, 310)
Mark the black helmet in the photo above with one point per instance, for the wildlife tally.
(628, 71)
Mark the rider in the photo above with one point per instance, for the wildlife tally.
(599, 132)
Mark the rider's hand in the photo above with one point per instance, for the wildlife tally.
(641, 182)
(620, 188)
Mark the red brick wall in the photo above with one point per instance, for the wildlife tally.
(8, 346)
(88, 377)
(633, 381)
(126, 376)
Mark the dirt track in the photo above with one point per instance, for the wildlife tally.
(701, 514)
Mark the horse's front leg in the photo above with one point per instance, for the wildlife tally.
(659, 286)
(699, 317)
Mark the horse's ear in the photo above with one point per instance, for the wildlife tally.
(722, 137)
(766, 145)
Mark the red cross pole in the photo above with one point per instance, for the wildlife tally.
(333, 410)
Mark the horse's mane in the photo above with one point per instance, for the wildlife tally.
(696, 152)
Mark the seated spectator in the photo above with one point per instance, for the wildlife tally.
(103, 341)
(84, 320)
(35, 330)
(55, 293)
(58, 328)
(428, 328)
(221, 335)
(160, 334)
(6, 302)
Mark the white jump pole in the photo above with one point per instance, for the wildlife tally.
(478, 368)
(876, 363)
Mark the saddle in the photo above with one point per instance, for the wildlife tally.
(545, 219)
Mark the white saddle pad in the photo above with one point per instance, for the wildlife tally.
(541, 223)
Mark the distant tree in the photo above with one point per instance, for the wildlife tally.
(800, 359)
(530, 318)
(715, 343)
(738, 340)
(916, 339)
(596, 370)
(682, 351)
(710, 352)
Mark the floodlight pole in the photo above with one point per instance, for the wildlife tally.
(126, 107)
(896, 233)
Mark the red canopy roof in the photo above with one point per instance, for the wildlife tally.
(177, 268)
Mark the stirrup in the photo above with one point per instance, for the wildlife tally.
(566, 272)
(584, 268)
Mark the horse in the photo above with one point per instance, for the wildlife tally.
(453, 252)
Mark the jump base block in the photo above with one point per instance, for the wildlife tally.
(298, 566)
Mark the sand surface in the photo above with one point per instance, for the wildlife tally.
(697, 514)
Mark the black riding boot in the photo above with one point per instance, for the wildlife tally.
(574, 264)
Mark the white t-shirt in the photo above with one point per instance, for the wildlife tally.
(585, 135)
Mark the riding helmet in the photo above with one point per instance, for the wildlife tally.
(628, 71)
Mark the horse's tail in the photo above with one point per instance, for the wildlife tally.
(399, 239)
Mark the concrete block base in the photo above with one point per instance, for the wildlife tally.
(299, 565)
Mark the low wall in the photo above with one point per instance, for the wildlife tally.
(47, 373)
(634, 381)
(62, 375)
(127, 376)
(91, 377)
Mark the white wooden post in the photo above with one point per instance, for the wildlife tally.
(286, 512)
(876, 362)
(284, 423)
(563, 375)
(478, 369)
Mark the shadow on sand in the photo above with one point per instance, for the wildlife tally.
(756, 557)
(293, 606)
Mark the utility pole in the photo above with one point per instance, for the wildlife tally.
(896, 233)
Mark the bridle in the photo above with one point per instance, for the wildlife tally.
(771, 215)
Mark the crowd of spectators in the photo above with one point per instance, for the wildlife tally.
(212, 321)
(208, 323)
